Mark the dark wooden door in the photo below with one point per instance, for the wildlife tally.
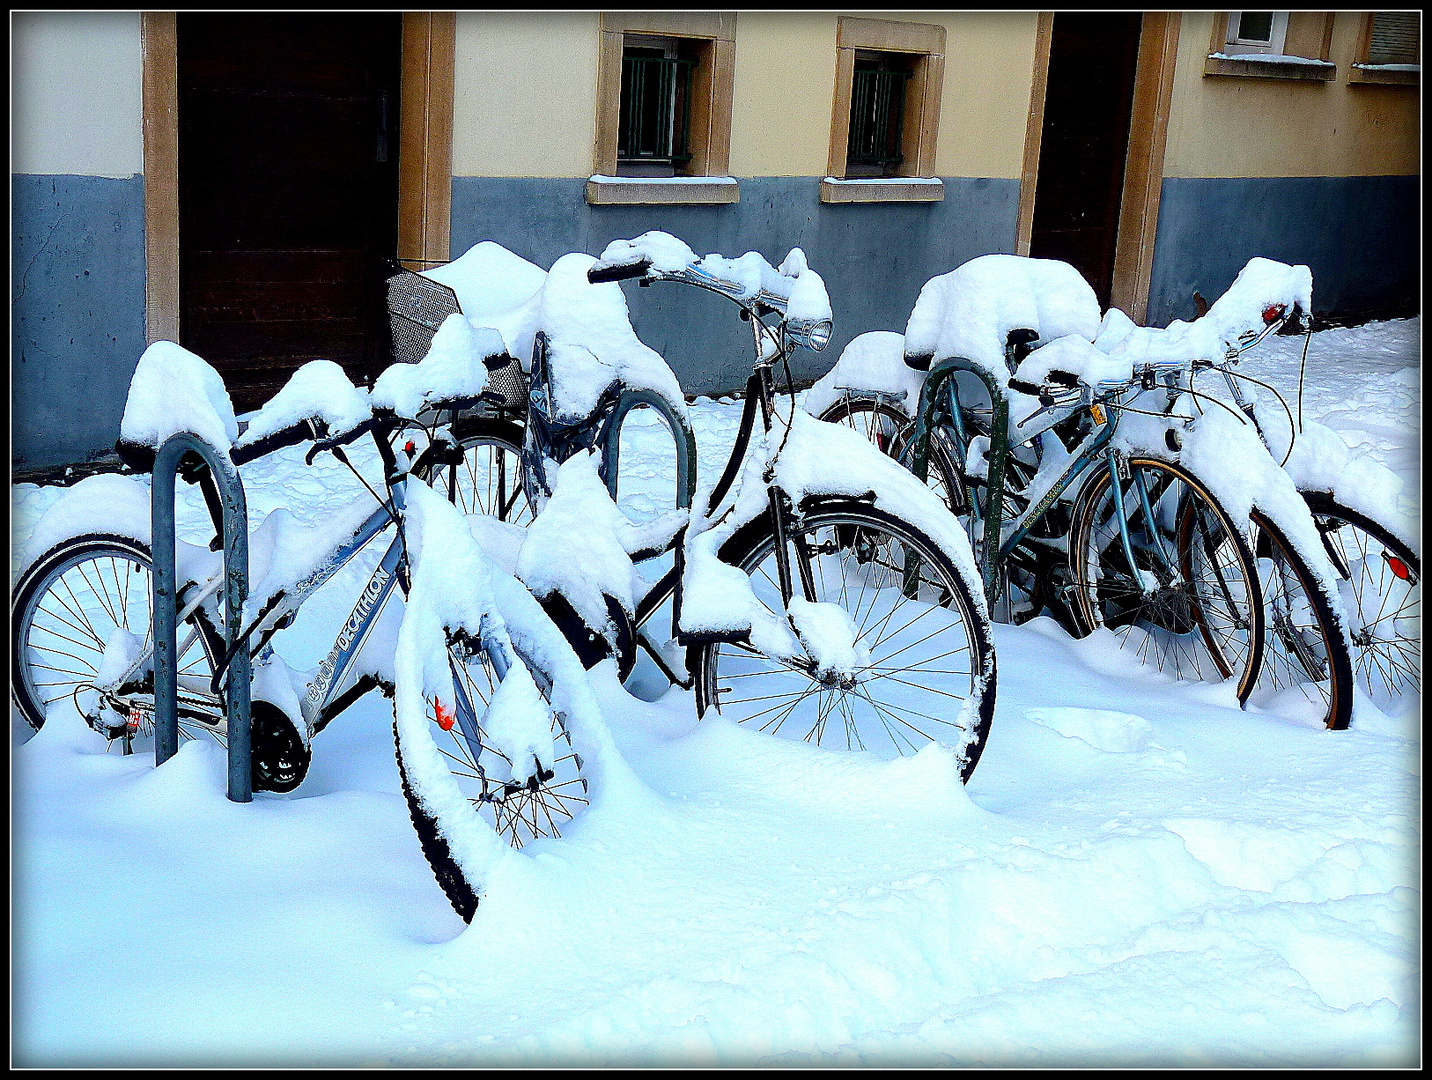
(288, 192)
(1093, 59)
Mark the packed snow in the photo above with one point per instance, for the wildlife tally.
(172, 391)
(317, 391)
(1138, 874)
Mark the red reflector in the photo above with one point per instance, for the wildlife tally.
(408, 448)
(1397, 566)
(1272, 312)
(445, 718)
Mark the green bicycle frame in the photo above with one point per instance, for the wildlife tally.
(939, 404)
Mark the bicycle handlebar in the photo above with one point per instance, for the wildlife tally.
(599, 274)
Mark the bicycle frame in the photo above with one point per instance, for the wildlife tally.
(771, 347)
(939, 407)
(330, 692)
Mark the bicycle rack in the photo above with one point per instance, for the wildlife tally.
(942, 375)
(166, 601)
(681, 435)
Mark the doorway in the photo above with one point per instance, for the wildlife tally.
(1084, 143)
(288, 192)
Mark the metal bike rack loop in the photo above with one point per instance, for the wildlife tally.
(166, 601)
(930, 398)
(681, 435)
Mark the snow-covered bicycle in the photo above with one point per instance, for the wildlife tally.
(1353, 501)
(474, 655)
(814, 590)
(1018, 400)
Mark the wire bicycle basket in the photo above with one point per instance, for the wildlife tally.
(417, 307)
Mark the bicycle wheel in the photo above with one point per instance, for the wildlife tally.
(69, 605)
(930, 673)
(1306, 657)
(889, 430)
(518, 812)
(1192, 606)
(1023, 588)
(488, 480)
(1382, 592)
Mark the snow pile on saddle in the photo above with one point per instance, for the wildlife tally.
(496, 290)
(873, 362)
(452, 370)
(1074, 354)
(318, 391)
(573, 545)
(175, 391)
(488, 279)
(970, 311)
(591, 343)
(1264, 290)
(793, 286)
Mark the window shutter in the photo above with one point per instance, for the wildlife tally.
(1395, 37)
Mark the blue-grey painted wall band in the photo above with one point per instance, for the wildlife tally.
(1359, 234)
(874, 257)
(77, 311)
(79, 270)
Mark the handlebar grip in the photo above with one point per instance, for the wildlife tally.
(919, 361)
(600, 274)
(1032, 389)
(1063, 378)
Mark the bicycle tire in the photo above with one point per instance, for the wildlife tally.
(518, 814)
(84, 618)
(890, 430)
(489, 478)
(1382, 592)
(851, 533)
(1208, 626)
(1315, 646)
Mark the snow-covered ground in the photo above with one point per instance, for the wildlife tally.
(1137, 874)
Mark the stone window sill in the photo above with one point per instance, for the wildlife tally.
(892, 189)
(1262, 66)
(662, 190)
(1386, 74)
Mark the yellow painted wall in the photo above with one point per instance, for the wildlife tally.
(525, 86)
(784, 86)
(989, 66)
(1223, 126)
(524, 93)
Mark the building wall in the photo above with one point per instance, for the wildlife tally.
(77, 231)
(526, 191)
(1322, 173)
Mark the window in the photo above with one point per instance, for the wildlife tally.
(1395, 38)
(1256, 32)
(1272, 45)
(663, 125)
(877, 114)
(1391, 49)
(653, 137)
(886, 112)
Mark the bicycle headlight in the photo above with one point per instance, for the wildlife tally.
(812, 334)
